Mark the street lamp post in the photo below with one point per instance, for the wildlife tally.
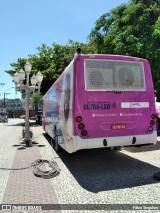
(18, 80)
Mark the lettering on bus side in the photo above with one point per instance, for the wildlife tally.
(96, 106)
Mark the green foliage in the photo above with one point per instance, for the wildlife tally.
(17, 66)
(51, 61)
(37, 101)
(130, 29)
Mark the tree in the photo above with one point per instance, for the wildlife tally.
(51, 61)
(130, 29)
(37, 101)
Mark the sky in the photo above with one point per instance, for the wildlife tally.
(26, 24)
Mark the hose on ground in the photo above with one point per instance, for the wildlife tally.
(53, 170)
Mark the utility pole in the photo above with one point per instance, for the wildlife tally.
(4, 103)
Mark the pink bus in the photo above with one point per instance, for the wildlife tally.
(101, 101)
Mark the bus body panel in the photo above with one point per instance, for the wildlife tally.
(57, 109)
(107, 113)
(114, 141)
(120, 118)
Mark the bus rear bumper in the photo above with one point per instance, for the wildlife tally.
(132, 140)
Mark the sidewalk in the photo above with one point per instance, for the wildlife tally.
(23, 187)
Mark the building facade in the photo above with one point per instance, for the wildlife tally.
(14, 107)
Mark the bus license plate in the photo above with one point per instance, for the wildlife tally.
(118, 126)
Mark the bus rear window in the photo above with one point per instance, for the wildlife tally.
(114, 75)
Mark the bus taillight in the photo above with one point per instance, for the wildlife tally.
(153, 116)
(81, 126)
(152, 122)
(79, 119)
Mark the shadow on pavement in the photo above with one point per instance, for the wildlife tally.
(32, 124)
(18, 124)
(99, 170)
(143, 148)
(23, 145)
